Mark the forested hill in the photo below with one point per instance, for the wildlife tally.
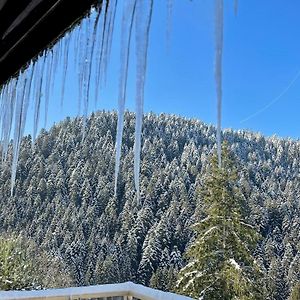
(64, 198)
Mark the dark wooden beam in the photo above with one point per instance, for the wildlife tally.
(29, 26)
(2, 3)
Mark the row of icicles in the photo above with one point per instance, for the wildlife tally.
(92, 42)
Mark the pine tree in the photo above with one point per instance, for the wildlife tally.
(295, 293)
(175, 159)
(24, 266)
(221, 265)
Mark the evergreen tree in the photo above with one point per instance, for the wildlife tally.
(23, 266)
(221, 265)
(295, 293)
(77, 216)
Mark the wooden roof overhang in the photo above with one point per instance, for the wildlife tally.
(29, 26)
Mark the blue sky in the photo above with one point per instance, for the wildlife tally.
(260, 67)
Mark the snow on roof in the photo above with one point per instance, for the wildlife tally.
(97, 291)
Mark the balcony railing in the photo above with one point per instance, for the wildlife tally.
(121, 291)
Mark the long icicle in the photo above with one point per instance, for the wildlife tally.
(100, 32)
(169, 22)
(107, 30)
(65, 67)
(22, 94)
(5, 116)
(142, 22)
(20, 119)
(127, 24)
(51, 60)
(110, 32)
(236, 7)
(39, 75)
(108, 39)
(85, 72)
(7, 109)
(218, 70)
(90, 67)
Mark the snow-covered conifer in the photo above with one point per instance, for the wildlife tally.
(220, 261)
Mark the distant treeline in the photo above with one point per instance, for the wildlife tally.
(64, 198)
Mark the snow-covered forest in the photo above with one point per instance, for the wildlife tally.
(64, 198)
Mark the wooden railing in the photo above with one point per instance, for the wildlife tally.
(121, 291)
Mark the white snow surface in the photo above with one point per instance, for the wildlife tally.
(108, 290)
(233, 262)
(209, 231)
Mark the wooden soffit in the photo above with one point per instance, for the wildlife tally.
(29, 26)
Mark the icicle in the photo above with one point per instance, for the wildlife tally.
(20, 118)
(236, 7)
(218, 70)
(37, 109)
(39, 72)
(85, 75)
(107, 30)
(76, 35)
(127, 23)
(14, 96)
(51, 57)
(65, 67)
(56, 52)
(30, 74)
(169, 22)
(100, 32)
(17, 132)
(94, 37)
(89, 66)
(80, 68)
(143, 21)
(7, 108)
(111, 31)
(4, 109)
(108, 39)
